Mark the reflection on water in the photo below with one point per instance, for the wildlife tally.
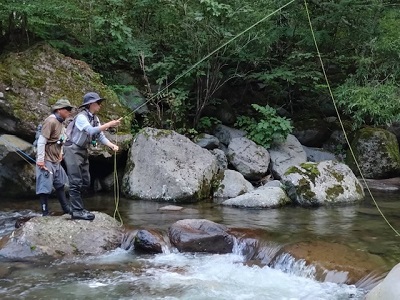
(125, 275)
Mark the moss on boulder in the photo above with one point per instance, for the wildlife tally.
(377, 153)
(33, 80)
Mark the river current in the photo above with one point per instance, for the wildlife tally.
(124, 274)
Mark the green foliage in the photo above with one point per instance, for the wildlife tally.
(198, 28)
(160, 42)
(266, 129)
(377, 104)
(206, 124)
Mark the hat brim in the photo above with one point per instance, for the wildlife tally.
(92, 101)
(55, 108)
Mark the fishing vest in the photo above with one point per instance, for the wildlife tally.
(81, 137)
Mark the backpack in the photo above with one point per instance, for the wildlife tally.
(70, 127)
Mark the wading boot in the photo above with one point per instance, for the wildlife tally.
(82, 215)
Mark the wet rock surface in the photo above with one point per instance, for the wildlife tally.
(59, 236)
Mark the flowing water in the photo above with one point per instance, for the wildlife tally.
(124, 274)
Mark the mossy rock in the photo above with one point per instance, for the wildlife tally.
(33, 80)
(377, 153)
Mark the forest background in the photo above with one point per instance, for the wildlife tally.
(272, 68)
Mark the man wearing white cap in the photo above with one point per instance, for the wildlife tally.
(84, 131)
(49, 172)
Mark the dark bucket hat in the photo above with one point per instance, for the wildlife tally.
(91, 98)
(61, 103)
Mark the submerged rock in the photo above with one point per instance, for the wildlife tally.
(333, 262)
(200, 235)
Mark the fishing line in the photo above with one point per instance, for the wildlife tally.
(116, 189)
(116, 186)
(19, 152)
(208, 55)
(340, 120)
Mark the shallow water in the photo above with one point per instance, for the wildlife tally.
(126, 275)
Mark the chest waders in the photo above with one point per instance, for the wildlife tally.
(76, 159)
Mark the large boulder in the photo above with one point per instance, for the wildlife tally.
(377, 153)
(164, 165)
(313, 184)
(60, 236)
(32, 80)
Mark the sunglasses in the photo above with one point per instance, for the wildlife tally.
(68, 108)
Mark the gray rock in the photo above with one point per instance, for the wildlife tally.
(263, 197)
(233, 184)
(389, 288)
(222, 161)
(248, 158)
(313, 184)
(151, 241)
(377, 154)
(225, 134)
(165, 165)
(318, 154)
(62, 237)
(285, 155)
(207, 141)
(200, 235)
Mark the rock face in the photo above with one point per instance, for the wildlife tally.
(30, 82)
(164, 165)
(33, 80)
(62, 237)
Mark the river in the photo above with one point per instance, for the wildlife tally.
(124, 274)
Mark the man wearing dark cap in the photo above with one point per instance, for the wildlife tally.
(49, 172)
(85, 131)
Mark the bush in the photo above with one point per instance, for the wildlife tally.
(371, 104)
(267, 129)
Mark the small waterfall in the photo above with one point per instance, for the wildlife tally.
(255, 250)
(288, 264)
(267, 253)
